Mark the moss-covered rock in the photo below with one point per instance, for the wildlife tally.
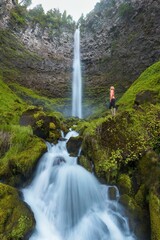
(147, 82)
(141, 196)
(16, 219)
(124, 184)
(154, 206)
(148, 169)
(44, 125)
(136, 216)
(19, 162)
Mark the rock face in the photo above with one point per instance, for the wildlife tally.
(5, 7)
(49, 67)
(119, 40)
(52, 74)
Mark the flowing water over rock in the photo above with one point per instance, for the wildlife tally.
(70, 204)
(77, 81)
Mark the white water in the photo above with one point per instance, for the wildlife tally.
(77, 80)
(70, 204)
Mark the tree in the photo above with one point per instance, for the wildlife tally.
(37, 14)
(25, 3)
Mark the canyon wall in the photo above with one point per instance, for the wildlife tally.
(119, 39)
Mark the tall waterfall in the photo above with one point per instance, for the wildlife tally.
(77, 80)
(70, 204)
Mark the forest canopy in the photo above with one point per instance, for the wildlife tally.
(22, 15)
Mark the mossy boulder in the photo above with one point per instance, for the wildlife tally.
(16, 219)
(147, 96)
(19, 162)
(124, 184)
(148, 169)
(148, 84)
(44, 125)
(154, 207)
(136, 216)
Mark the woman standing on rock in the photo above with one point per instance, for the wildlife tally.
(112, 104)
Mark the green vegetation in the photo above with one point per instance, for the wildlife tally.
(22, 153)
(18, 16)
(52, 20)
(35, 99)
(16, 220)
(125, 149)
(20, 149)
(154, 205)
(13, 54)
(125, 10)
(11, 105)
(148, 80)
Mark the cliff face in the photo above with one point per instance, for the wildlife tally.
(52, 74)
(48, 69)
(5, 7)
(119, 40)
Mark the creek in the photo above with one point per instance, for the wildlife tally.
(69, 203)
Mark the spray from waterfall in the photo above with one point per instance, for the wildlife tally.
(77, 79)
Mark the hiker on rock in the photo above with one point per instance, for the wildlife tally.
(112, 104)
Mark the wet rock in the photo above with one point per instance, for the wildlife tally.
(58, 160)
(73, 145)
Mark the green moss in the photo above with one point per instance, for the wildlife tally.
(148, 80)
(34, 98)
(85, 163)
(13, 54)
(124, 184)
(136, 215)
(141, 195)
(52, 125)
(11, 105)
(154, 206)
(148, 165)
(40, 123)
(16, 220)
(19, 161)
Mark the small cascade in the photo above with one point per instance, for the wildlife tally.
(69, 203)
(77, 80)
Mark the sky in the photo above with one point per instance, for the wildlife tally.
(73, 7)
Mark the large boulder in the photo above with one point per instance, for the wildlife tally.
(43, 125)
(20, 161)
(16, 219)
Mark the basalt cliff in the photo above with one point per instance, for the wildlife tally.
(119, 39)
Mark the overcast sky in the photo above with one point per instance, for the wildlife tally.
(73, 7)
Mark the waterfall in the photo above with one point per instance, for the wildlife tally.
(69, 203)
(77, 81)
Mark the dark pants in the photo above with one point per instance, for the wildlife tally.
(112, 103)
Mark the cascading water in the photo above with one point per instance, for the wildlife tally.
(77, 80)
(70, 204)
